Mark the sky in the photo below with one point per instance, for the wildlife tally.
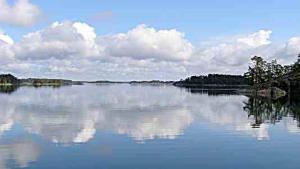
(144, 40)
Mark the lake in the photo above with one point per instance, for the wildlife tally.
(125, 126)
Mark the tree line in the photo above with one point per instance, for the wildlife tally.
(213, 79)
(8, 79)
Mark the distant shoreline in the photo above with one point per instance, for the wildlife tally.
(8, 79)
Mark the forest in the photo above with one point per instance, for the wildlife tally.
(212, 80)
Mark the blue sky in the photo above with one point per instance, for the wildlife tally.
(160, 39)
(198, 19)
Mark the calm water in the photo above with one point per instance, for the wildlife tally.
(145, 127)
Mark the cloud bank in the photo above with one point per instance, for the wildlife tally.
(74, 50)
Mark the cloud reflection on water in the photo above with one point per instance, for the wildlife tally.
(73, 114)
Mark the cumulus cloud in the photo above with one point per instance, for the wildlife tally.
(145, 42)
(74, 48)
(60, 41)
(22, 13)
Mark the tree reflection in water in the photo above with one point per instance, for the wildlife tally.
(8, 88)
(264, 110)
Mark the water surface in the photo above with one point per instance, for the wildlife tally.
(145, 127)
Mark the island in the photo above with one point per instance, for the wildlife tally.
(263, 79)
(10, 80)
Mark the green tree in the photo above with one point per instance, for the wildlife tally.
(258, 73)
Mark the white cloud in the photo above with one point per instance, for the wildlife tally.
(60, 41)
(147, 43)
(257, 39)
(232, 54)
(78, 40)
(86, 31)
(22, 13)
